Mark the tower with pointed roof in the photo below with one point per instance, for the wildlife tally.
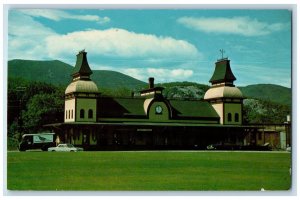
(226, 99)
(81, 94)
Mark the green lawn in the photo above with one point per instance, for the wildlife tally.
(159, 171)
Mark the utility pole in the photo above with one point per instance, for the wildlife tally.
(21, 90)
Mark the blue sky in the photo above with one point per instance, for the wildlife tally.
(170, 45)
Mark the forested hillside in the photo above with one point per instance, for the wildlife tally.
(269, 92)
(59, 73)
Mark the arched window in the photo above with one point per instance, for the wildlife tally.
(236, 117)
(90, 113)
(229, 117)
(81, 113)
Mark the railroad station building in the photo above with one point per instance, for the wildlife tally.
(151, 121)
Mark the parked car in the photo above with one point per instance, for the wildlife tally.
(223, 147)
(65, 147)
(210, 147)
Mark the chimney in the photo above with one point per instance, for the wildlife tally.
(151, 82)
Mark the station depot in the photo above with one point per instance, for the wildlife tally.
(151, 121)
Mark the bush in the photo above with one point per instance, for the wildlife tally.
(12, 143)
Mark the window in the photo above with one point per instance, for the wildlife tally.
(90, 113)
(72, 114)
(236, 117)
(69, 114)
(81, 113)
(229, 117)
(66, 114)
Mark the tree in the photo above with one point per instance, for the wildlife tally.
(43, 109)
(262, 111)
(30, 106)
(20, 91)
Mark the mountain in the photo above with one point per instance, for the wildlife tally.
(269, 92)
(54, 72)
(59, 73)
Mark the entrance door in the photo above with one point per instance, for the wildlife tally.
(86, 137)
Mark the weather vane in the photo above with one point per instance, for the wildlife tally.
(222, 52)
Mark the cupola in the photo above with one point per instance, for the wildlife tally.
(222, 82)
(222, 73)
(82, 93)
(81, 76)
(225, 98)
(82, 69)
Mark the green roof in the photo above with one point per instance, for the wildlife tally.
(193, 108)
(82, 66)
(134, 106)
(113, 107)
(222, 72)
(121, 107)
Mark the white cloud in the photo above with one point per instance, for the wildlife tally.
(119, 48)
(160, 74)
(104, 20)
(236, 25)
(181, 73)
(58, 15)
(99, 66)
(26, 37)
(135, 73)
(120, 43)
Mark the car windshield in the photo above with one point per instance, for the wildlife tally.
(70, 145)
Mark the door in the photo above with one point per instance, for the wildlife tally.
(86, 137)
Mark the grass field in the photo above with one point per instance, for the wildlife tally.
(146, 171)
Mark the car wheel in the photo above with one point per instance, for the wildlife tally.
(53, 150)
(72, 151)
